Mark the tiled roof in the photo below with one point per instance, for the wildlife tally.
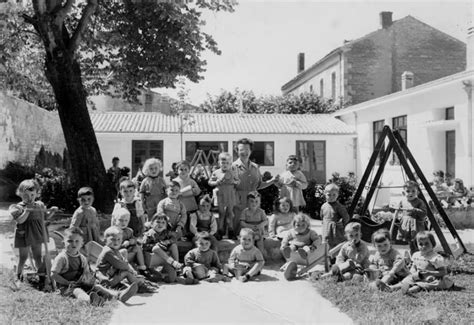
(140, 122)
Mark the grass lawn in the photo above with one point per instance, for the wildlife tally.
(29, 305)
(366, 306)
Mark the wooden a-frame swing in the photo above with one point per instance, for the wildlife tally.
(396, 143)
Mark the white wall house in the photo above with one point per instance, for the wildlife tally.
(324, 143)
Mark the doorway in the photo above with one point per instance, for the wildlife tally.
(451, 152)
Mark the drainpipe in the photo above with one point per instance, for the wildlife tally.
(356, 140)
(468, 89)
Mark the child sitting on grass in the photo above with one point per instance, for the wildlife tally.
(245, 261)
(429, 269)
(162, 242)
(282, 218)
(174, 209)
(334, 216)
(254, 217)
(85, 217)
(202, 262)
(203, 220)
(134, 205)
(353, 258)
(387, 261)
(301, 241)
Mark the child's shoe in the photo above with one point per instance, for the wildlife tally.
(146, 287)
(96, 300)
(286, 251)
(128, 293)
(244, 278)
(290, 271)
(303, 252)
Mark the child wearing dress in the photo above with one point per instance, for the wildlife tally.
(153, 187)
(29, 216)
(300, 240)
(174, 209)
(414, 215)
(292, 182)
(113, 267)
(162, 242)
(254, 217)
(203, 220)
(189, 188)
(134, 205)
(202, 262)
(387, 262)
(429, 269)
(353, 258)
(225, 179)
(85, 217)
(334, 216)
(245, 261)
(282, 218)
(130, 245)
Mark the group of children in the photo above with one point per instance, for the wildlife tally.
(161, 215)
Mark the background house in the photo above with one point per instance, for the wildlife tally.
(372, 66)
(324, 143)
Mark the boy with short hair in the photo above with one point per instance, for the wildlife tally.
(334, 216)
(85, 216)
(174, 209)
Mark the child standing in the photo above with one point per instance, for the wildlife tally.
(292, 182)
(189, 188)
(29, 216)
(387, 261)
(353, 258)
(429, 269)
(130, 244)
(174, 209)
(133, 205)
(85, 217)
(153, 187)
(334, 216)
(245, 261)
(254, 218)
(203, 262)
(225, 178)
(414, 215)
(162, 242)
(203, 220)
(281, 220)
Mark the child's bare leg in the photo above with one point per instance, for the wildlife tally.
(174, 252)
(80, 294)
(23, 251)
(124, 254)
(116, 279)
(36, 250)
(140, 259)
(169, 259)
(108, 293)
(221, 221)
(230, 218)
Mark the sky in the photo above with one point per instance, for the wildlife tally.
(260, 40)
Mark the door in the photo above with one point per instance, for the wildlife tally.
(142, 150)
(451, 152)
(313, 157)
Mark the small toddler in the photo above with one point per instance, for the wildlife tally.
(203, 220)
(85, 217)
(174, 209)
(153, 187)
(292, 182)
(334, 216)
(282, 218)
(254, 217)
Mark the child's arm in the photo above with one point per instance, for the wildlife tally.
(341, 257)
(76, 219)
(19, 213)
(272, 226)
(263, 218)
(301, 181)
(213, 226)
(213, 180)
(116, 263)
(190, 259)
(287, 239)
(160, 209)
(260, 262)
(438, 273)
(233, 259)
(59, 264)
(215, 263)
(193, 223)
(314, 237)
(195, 188)
(243, 224)
(344, 214)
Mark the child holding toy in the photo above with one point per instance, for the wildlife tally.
(282, 218)
(85, 216)
(174, 209)
(203, 220)
(134, 205)
(334, 216)
(29, 216)
(292, 182)
(254, 217)
(153, 187)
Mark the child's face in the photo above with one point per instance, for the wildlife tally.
(128, 193)
(203, 245)
(300, 226)
(246, 240)
(122, 221)
(383, 247)
(411, 193)
(86, 201)
(424, 245)
(29, 195)
(438, 180)
(114, 241)
(284, 207)
(73, 243)
(331, 196)
(225, 164)
(204, 206)
(154, 170)
(353, 236)
(183, 171)
(159, 224)
(173, 192)
(254, 203)
(291, 165)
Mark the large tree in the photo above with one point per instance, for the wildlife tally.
(121, 47)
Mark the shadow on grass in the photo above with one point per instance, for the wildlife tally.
(457, 288)
(265, 278)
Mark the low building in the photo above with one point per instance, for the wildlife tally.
(324, 143)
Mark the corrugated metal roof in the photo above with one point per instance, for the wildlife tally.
(141, 122)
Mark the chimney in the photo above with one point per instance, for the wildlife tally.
(407, 80)
(300, 63)
(470, 48)
(386, 19)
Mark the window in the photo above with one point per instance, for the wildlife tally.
(206, 146)
(377, 132)
(321, 88)
(450, 113)
(263, 153)
(400, 124)
(142, 150)
(333, 86)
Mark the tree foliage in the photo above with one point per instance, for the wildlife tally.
(247, 102)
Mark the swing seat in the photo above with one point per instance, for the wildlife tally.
(368, 227)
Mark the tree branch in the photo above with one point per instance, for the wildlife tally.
(62, 13)
(31, 21)
(89, 10)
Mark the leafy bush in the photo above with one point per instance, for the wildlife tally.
(57, 189)
(15, 172)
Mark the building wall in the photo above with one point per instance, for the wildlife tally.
(25, 128)
(339, 148)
